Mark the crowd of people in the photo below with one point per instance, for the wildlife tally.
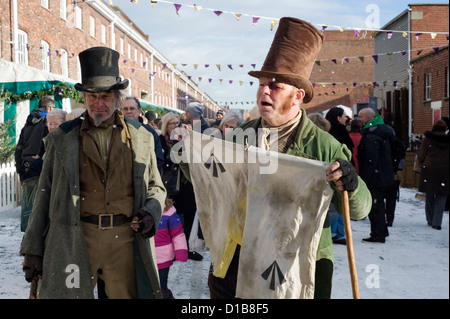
(379, 157)
(106, 204)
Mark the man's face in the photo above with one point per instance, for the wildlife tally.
(229, 126)
(363, 118)
(190, 117)
(101, 105)
(278, 103)
(219, 116)
(130, 109)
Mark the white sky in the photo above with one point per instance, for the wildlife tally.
(201, 37)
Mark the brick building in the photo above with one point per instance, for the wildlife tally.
(39, 45)
(341, 81)
(397, 49)
(430, 89)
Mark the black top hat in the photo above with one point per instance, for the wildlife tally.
(100, 70)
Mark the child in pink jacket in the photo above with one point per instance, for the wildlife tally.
(170, 242)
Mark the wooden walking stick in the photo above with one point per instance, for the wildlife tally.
(349, 238)
(33, 287)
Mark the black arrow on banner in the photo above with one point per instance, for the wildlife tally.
(215, 162)
(274, 269)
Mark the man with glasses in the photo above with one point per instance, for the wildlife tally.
(131, 108)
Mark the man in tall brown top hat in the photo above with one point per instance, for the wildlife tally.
(283, 87)
(99, 199)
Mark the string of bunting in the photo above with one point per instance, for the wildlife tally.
(232, 67)
(334, 60)
(274, 21)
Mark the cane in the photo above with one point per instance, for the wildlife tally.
(349, 238)
(33, 287)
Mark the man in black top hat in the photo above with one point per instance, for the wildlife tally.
(100, 197)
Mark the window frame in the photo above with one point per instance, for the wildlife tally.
(428, 86)
(45, 58)
(22, 51)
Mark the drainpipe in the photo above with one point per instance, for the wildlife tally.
(152, 77)
(410, 79)
(15, 32)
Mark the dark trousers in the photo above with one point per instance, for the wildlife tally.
(377, 215)
(392, 195)
(163, 277)
(225, 288)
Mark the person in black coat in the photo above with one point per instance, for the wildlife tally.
(337, 118)
(433, 156)
(375, 168)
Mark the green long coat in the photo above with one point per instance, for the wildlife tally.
(314, 143)
(55, 231)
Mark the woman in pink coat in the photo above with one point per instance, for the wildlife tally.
(170, 242)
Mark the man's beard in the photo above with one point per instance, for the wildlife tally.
(98, 120)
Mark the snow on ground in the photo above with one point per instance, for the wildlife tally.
(412, 264)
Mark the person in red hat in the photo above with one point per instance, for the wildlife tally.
(99, 199)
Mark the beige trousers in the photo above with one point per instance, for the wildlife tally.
(111, 257)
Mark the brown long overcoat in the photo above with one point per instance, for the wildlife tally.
(55, 231)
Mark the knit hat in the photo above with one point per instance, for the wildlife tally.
(196, 109)
(292, 55)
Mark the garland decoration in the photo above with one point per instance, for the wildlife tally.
(64, 90)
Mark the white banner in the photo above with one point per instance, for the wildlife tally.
(277, 218)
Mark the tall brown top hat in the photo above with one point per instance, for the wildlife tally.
(100, 70)
(292, 55)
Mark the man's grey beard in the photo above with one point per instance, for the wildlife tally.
(98, 120)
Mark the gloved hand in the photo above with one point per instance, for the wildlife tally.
(349, 178)
(32, 266)
(142, 222)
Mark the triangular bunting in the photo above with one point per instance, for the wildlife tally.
(177, 8)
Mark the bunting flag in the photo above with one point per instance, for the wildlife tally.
(334, 60)
(273, 21)
(177, 8)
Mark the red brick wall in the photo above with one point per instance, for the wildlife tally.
(434, 19)
(45, 24)
(435, 64)
(338, 45)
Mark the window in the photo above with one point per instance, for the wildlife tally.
(45, 56)
(129, 51)
(62, 9)
(44, 3)
(428, 86)
(64, 63)
(22, 50)
(103, 30)
(92, 26)
(78, 18)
